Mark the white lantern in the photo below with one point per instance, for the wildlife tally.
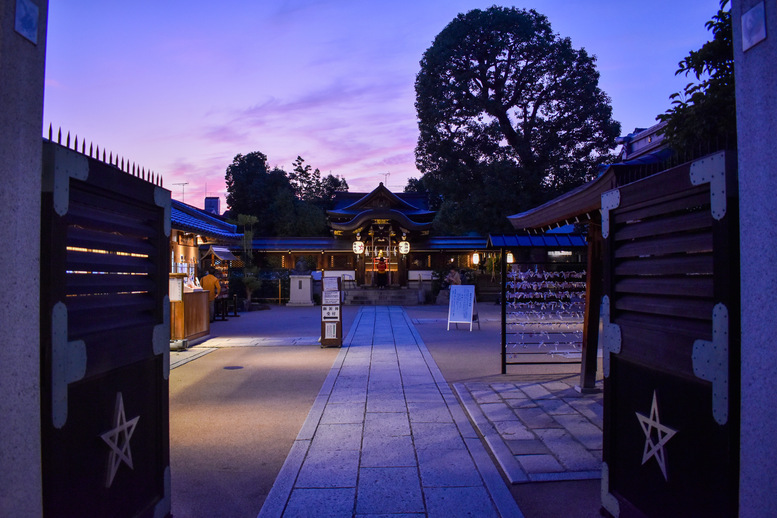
(358, 247)
(404, 247)
(475, 258)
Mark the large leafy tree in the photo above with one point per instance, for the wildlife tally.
(309, 186)
(253, 189)
(509, 113)
(703, 117)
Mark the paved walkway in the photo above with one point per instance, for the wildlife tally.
(386, 436)
(538, 431)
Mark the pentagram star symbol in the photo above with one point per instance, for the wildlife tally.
(118, 439)
(654, 446)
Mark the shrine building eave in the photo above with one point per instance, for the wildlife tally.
(370, 199)
(580, 202)
(367, 216)
(585, 201)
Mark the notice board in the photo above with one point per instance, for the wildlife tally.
(461, 306)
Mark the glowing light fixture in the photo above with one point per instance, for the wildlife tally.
(510, 258)
(358, 247)
(476, 258)
(404, 247)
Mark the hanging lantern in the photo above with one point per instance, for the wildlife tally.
(358, 247)
(476, 258)
(510, 258)
(404, 247)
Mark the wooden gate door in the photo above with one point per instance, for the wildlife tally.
(104, 339)
(670, 339)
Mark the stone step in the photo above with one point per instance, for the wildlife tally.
(374, 297)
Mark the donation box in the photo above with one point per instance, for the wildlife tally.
(331, 313)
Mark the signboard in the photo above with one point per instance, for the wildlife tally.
(330, 331)
(331, 284)
(331, 310)
(330, 313)
(330, 297)
(461, 307)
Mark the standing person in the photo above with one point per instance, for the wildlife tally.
(381, 272)
(211, 283)
(453, 277)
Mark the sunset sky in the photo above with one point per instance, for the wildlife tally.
(181, 87)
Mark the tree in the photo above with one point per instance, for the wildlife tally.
(703, 117)
(305, 180)
(330, 185)
(284, 205)
(250, 275)
(252, 188)
(310, 187)
(501, 98)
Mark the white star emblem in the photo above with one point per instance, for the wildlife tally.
(662, 435)
(118, 439)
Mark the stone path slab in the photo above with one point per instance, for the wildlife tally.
(387, 436)
(538, 431)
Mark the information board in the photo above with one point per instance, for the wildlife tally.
(461, 307)
(330, 297)
(331, 312)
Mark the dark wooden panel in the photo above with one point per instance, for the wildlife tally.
(699, 458)
(112, 214)
(99, 200)
(676, 203)
(666, 183)
(667, 264)
(96, 307)
(662, 245)
(698, 264)
(105, 284)
(673, 325)
(196, 314)
(687, 221)
(76, 457)
(107, 222)
(93, 239)
(685, 307)
(696, 286)
(657, 349)
(96, 262)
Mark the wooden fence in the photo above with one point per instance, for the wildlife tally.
(105, 338)
(669, 334)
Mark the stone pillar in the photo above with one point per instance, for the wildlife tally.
(22, 63)
(756, 93)
(300, 290)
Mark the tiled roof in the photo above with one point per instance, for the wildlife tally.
(541, 240)
(300, 244)
(451, 243)
(191, 219)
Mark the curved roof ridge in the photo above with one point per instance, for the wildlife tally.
(381, 213)
(378, 191)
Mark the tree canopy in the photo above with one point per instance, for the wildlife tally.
(703, 117)
(310, 187)
(509, 113)
(284, 204)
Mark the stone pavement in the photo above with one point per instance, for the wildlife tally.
(387, 436)
(538, 431)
